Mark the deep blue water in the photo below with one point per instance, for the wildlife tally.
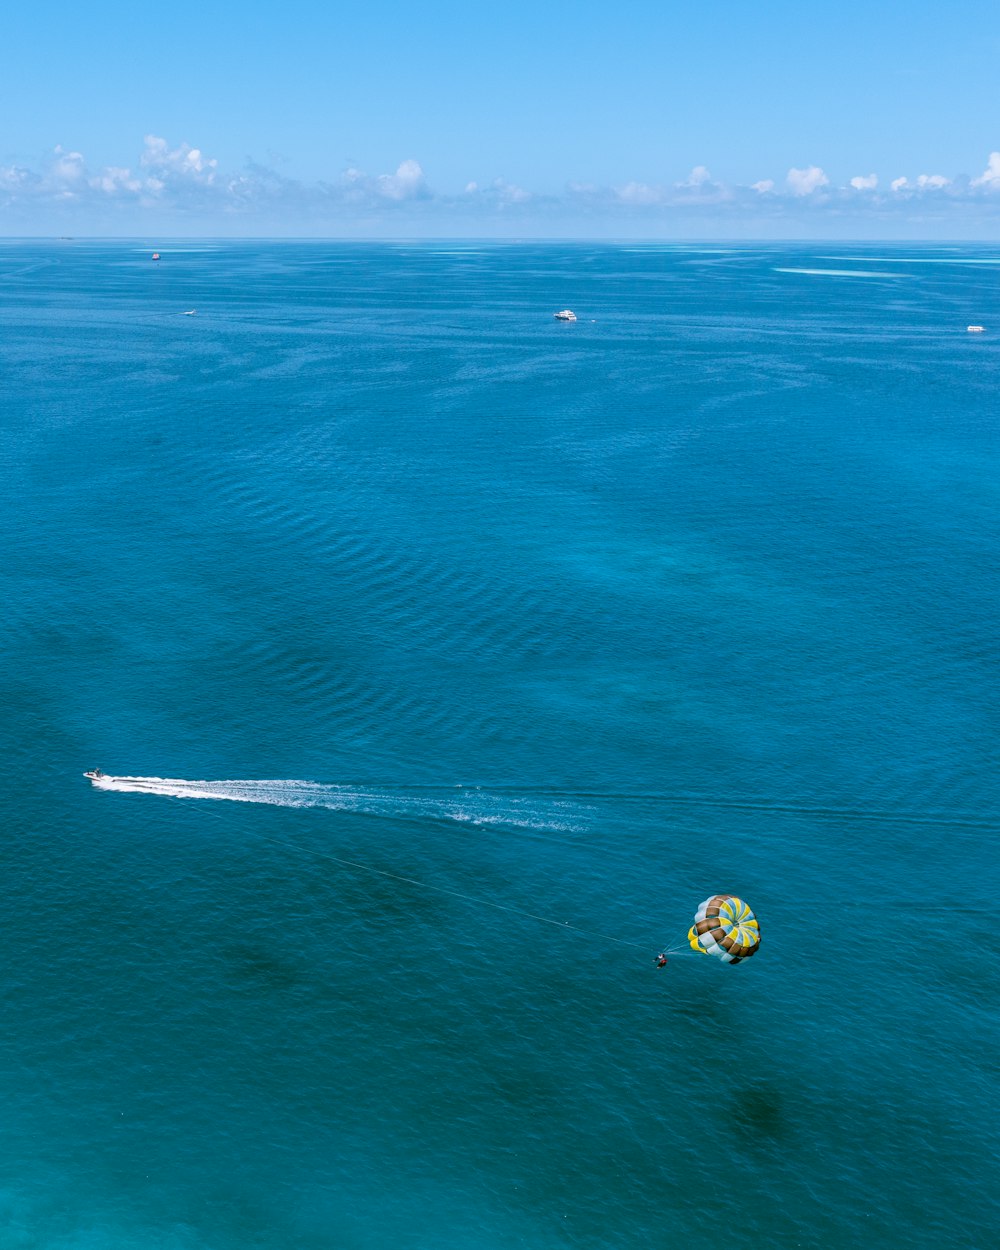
(584, 621)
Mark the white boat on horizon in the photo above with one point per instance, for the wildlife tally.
(566, 315)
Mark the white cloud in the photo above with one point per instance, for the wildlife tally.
(407, 183)
(186, 161)
(698, 177)
(806, 181)
(180, 182)
(990, 177)
(114, 181)
(68, 166)
(638, 193)
(15, 179)
(502, 192)
(911, 188)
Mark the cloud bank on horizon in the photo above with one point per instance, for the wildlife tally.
(181, 185)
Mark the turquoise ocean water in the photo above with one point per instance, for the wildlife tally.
(587, 622)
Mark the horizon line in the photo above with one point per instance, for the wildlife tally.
(509, 239)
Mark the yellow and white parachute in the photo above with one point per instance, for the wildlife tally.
(725, 926)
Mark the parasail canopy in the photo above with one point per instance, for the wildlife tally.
(725, 926)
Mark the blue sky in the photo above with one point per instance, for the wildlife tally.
(555, 117)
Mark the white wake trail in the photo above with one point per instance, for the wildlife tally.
(466, 804)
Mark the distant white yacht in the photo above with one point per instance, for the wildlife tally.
(971, 329)
(565, 315)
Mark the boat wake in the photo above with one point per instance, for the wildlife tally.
(467, 804)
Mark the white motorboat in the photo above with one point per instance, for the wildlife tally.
(95, 774)
(565, 315)
(975, 329)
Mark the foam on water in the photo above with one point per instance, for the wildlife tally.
(471, 805)
(924, 260)
(840, 273)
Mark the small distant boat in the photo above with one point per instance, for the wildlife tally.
(975, 329)
(190, 312)
(95, 774)
(565, 315)
(156, 256)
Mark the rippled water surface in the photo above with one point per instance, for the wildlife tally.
(443, 657)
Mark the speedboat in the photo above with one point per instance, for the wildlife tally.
(95, 774)
(565, 315)
(975, 329)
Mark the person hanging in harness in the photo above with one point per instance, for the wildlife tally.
(661, 959)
